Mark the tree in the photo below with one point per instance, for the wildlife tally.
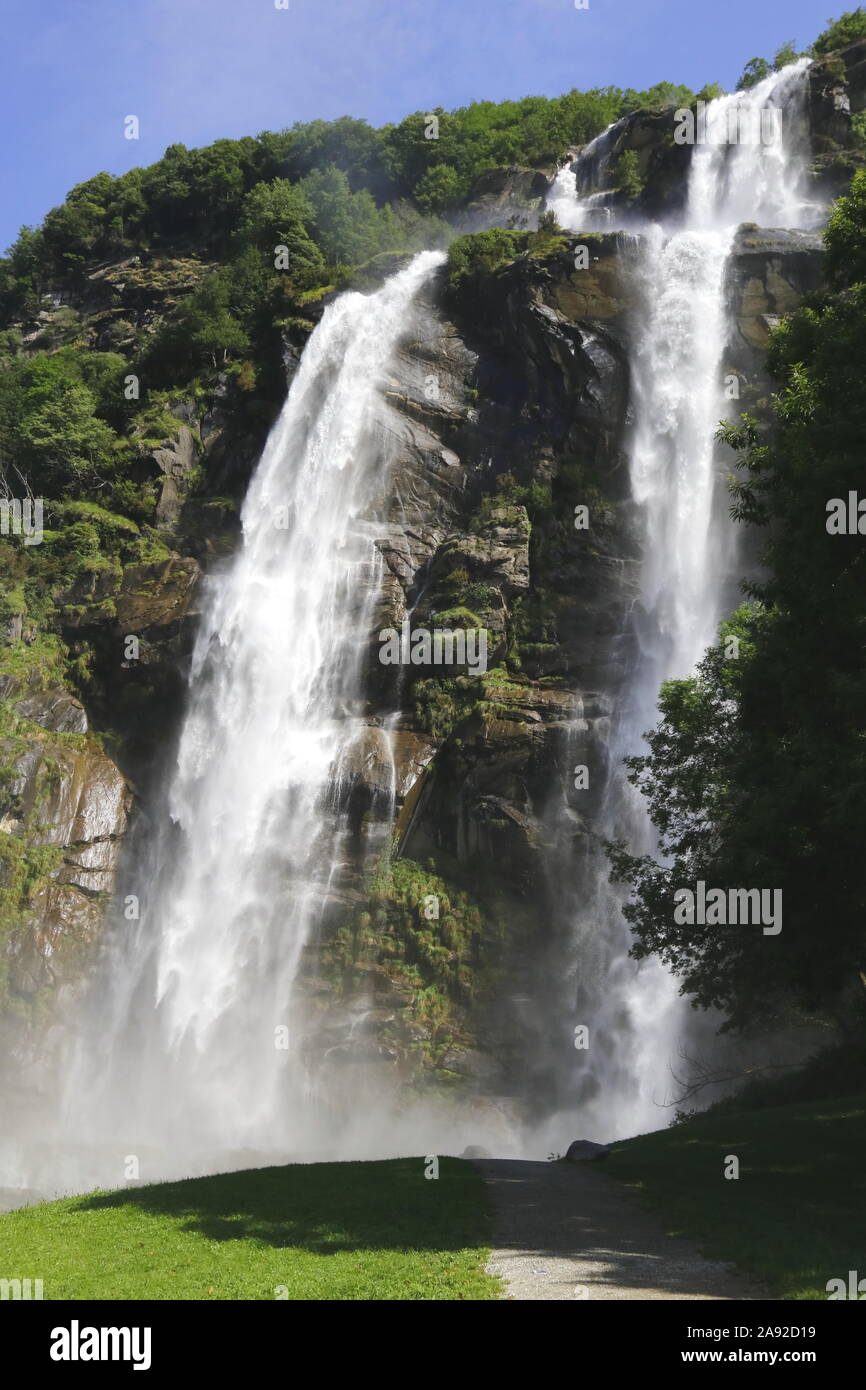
(848, 28)
(627, 175)
(203, 332)
(845, 262)
(53, 435)
(22, 274)
(754, 72)
(347, 144)
(439, 189)
(482, 253)
(347, 225)
(277, 214)
(786, 55)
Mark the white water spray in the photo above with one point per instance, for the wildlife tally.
(677, 370)
(191, 1050)
(179, 1063)
(578, 196)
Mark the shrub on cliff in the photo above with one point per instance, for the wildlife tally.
(482, 253)
(848, 28)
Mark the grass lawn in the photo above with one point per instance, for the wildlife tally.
(795, 1217)
(320, 1230)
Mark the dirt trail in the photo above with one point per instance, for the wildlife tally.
(564, 1230)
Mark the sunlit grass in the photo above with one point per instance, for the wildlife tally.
(339, 1231)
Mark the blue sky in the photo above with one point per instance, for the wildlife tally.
(196, 70)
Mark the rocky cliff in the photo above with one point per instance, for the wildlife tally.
(508, 412)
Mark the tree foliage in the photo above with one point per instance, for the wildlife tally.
(52, 435)
(848, 28)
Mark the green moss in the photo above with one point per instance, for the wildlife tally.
(106, 524)
(313, 296)
(439, 704)
(482, 254)
(36, 665)
(431, 940)
(457, 617)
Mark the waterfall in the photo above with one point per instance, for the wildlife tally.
(577, 195)
(182, 1057)
(190, 1054)
(677, 364)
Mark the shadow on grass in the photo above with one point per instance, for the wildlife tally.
(323, 1208)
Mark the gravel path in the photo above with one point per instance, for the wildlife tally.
(564, 1230)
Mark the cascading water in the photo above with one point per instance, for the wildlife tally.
(678, 400)
(578, 197)
(178, 1058)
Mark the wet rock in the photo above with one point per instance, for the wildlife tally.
(156, 595)
(75, 802)
(174, 462)
(770, 271)
(56, 710)
(504, 195)
(581, 1150)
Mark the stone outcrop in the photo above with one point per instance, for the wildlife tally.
(504, 197)
(506, 412)
(507, 408)
(836, 93)
(770, 272)
(64, 808)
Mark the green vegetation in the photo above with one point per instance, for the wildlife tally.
(348, 187)
(756, 773)
(796, 1215)
(423, 935)
(329, 1231)
(626, 176)
(177, 283)
(848, 28)
(483, 253)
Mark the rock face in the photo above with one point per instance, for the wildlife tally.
(507, 411)
(771, 270)
(836, 93)
(175, 461)
(501, 197)
(64, 809)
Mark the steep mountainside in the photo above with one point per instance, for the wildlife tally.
(510, 411)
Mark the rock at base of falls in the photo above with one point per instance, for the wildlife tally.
(581, 1150)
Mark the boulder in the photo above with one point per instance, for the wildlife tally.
(174, 462)
(581, 1150)
(56, 710)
